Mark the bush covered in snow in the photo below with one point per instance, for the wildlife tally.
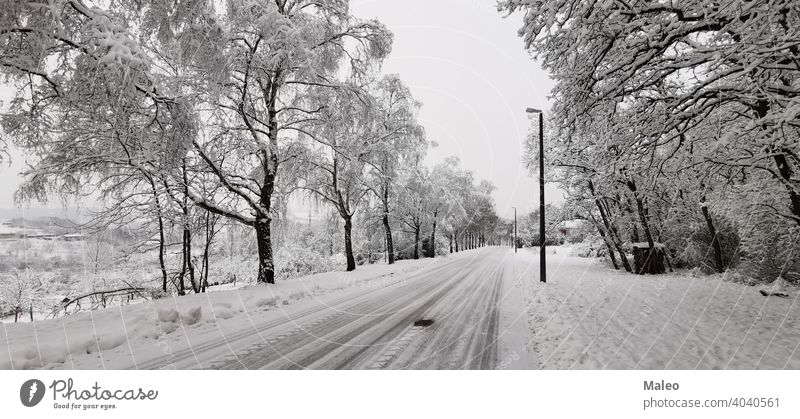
(691, 242)
(295, 260)
(591, 247)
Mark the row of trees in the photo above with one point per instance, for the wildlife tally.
(186, 117)
(427, 212)
(677, 123)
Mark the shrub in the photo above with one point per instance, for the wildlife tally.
(294, 260)
(591, 247)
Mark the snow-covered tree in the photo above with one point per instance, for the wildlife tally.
(20, 291)
(670, 110)
(259, 59)
(333, 163)
(402, 143)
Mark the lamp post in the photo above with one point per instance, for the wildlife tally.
(542, 261)
(515, 229)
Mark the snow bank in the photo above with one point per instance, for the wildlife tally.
(589, 316)
(123, 337)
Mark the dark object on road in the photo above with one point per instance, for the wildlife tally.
(423, 322)
(774, 293)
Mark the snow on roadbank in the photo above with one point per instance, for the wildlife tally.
(125, 337)
(589, 316)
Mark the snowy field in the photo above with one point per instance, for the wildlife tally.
(591, 317)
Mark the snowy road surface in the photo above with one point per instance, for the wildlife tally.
(456, 302)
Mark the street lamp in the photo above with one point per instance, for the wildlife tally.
(542, 262)
(515, 229)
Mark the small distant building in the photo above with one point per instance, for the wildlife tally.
(74, 237)
(572, 230)
(40, 236)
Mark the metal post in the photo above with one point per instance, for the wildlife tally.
(515, 229)
(542, 250)
(542, 262)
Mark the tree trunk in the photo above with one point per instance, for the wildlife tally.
(433, 236)
(715, 244)
(182, 275)
(389, 241)
(650, 261)
(266, 268)
(451, 243)
(607, 241)
(187, 233)
(266, 264)
(455, 239)
(386, 226)
(206, 251)
(617, 240)
(161, 240)
(348, 244)
(642, 214)
(187, 259)
(612, 230)
(416, 243)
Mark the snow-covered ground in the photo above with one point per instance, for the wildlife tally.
(588, 316)
(130, 336)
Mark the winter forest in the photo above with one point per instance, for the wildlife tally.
(676, 124)
(193, 124)
(234, 158)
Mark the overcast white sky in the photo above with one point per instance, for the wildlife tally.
(467, 66)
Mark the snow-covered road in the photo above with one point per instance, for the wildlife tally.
(376, 328)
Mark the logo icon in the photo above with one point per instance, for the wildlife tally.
(31, 392)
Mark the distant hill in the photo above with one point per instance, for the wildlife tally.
(55, 225)
(11, 213)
